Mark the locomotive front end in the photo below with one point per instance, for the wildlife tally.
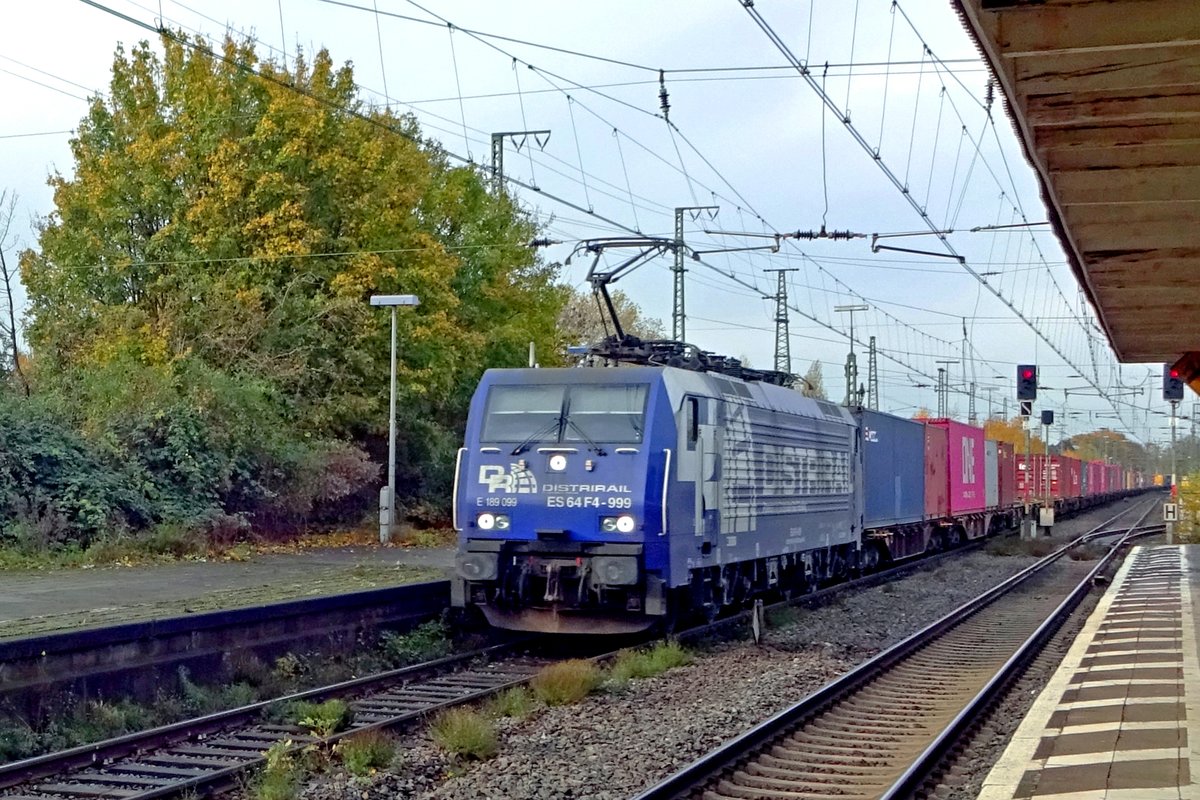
(557, 492)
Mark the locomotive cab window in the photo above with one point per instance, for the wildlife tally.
(552, 414)
(516, 413)
(605, 413)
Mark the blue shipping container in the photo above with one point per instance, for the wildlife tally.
(893, 469)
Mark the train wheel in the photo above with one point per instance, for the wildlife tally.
(870, 557)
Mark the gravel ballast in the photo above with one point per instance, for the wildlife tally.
(615, 744)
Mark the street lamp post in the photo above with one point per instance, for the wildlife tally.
(387, 497)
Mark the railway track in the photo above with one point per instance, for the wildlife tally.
(881, 729)
(211, 754)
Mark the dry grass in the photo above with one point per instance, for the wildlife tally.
(1087, 552)
(465, 733)
(566, 682)
(1016, 546)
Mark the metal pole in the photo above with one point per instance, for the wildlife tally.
(851, 367)
(385, 536)
(852, 394)
(678, 308)
(1046, 449)
(1028, 463)
(783, 346)
(1174, 480)
(873, 377)
(941, 384)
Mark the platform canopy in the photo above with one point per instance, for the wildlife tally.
(1105, 95)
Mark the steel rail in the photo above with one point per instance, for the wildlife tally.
(197, 730)
(700, 772)
(78, 758)
(51, 764)
(915, 776)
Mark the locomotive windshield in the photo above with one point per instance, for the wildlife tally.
(559, 413)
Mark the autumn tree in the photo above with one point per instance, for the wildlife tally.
(1012, 432)
(1105, 444)
(201, 286)
(814, 382)
(10, 350)
(584, 318)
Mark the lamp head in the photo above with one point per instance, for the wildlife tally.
(395, 300)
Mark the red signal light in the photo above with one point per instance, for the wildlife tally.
(1174, 373)
(1027, 374)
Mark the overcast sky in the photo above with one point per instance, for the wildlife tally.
(746, 140)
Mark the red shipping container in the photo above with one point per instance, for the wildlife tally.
(1096, 477)
(965, 467)
(937, 485)
(1030, 477)
(1074, 479)
(1056, 482)
(1007, 474)
(1037, 478)
(1065, 477)
(1116, 481)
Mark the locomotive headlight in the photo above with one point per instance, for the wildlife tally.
(558, 462)
(621, 524)
(488, 521)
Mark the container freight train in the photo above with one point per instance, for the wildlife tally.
(606, 500)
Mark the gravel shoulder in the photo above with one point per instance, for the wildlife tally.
(49, 601)
(613, 745)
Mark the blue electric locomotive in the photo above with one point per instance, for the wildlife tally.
(607, 499)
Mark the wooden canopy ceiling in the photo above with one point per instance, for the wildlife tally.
(1105, 95)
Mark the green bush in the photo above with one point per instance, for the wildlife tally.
(566, 682)
(56, 488)
(363, 753)
(17, 742)
(425, 642)
(322, 719)
(200, 699)
(280, 779)
(180, 453)
(465, 733)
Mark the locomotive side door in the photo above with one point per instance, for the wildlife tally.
(699, 449)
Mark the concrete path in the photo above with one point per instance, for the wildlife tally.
(42, 602)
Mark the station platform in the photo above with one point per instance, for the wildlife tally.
(1120, 719)
(55, 601)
